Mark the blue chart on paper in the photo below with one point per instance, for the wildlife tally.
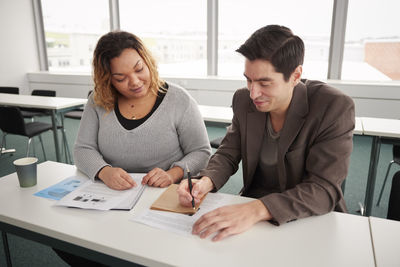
(61, 189)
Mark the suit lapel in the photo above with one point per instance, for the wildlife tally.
(297, 111)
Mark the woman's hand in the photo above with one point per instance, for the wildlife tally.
(159, 178)
(116, 178)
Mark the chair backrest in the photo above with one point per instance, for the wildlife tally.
(9, 90)
(44, 92)
(11, 121)
(396, 153)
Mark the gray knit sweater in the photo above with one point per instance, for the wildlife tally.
(174, 135)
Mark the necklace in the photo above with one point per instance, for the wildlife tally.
(141, 106)
(133, 117)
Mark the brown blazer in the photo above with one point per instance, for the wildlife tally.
(313, 150)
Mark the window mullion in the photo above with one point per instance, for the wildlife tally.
(212, 37)
(338, 34)
(114, 15)
(40, 35)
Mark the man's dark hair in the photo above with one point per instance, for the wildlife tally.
(278, 45)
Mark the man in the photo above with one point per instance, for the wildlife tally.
(294, 137)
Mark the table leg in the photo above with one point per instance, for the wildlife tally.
(55, 135)
(6, 248)
(373, 167)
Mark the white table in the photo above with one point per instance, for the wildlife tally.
(56, 105)
(334, 239)
(381, 130)
(386, 241)
(216, 114)
(358, 129)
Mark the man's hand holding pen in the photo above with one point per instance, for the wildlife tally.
(226, 220)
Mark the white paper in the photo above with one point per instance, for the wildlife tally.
(97, 195)
(181, 223)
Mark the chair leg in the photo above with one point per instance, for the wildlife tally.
(41, 142)
(384, 182)
(33, 147)
(28, 146)
(6, 248)
(3, 140)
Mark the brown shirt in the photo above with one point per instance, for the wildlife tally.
(313, 151)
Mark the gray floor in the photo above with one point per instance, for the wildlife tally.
(28, 253)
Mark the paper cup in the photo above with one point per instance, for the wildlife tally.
(27, 171)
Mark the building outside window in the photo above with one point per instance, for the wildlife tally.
(72, 29)
(372, 45)
(175, 31)
(239, 19)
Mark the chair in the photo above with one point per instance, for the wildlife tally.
(215, 143)
(30, 113)
(396, 159)
(77, 113)
(9, 90)
(12, 122)
(74, 114)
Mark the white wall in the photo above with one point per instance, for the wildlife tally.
(18, 48)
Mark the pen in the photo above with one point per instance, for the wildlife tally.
(190, 185)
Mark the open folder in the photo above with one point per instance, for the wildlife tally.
(169, 201)
(97, 195)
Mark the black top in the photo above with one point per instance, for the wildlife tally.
(132, 124)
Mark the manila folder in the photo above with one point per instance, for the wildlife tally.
(169, 201)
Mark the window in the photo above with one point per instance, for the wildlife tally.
(175, 31)
(239, 19)
(372, 45)
(72, 28)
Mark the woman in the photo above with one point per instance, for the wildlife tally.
(135, 122)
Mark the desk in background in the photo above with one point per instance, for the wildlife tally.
(216, 114)
(334, 239)
(56, 105)
(381, 130)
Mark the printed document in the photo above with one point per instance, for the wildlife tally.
(97, 195)
(181, 223)
(62, 188)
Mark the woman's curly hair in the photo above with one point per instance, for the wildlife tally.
(108, 47)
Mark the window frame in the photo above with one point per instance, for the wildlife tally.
(336, 48)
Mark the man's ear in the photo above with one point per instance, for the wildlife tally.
(296, 75)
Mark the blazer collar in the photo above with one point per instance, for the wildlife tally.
(256, 122)
(295, 117)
